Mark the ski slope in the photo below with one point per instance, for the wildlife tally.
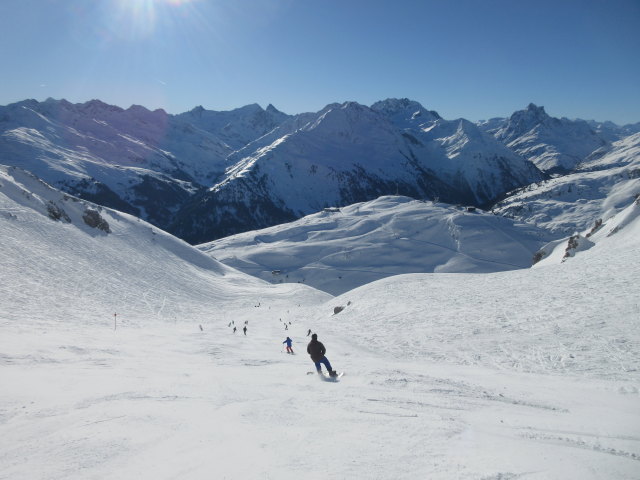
(520, 374)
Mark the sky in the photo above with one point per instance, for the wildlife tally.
(462, 58)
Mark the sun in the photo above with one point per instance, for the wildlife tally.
(141, 18)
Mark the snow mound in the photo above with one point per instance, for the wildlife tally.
(339, 249)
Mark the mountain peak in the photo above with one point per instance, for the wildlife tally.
(138, 108)
(522, 121)
(536, 110)
(271, 109)
(554, 145)
(351, 105)
(404, 110)
(251, 108)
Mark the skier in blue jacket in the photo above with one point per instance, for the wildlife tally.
(288, 341)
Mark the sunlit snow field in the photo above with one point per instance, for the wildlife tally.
(529, 373)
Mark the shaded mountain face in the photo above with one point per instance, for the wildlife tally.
(204, 174)
(555, 146)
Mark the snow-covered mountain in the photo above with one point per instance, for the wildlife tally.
(349, 153)
(554, 145)
(603, 184)
(205, 175)
(469, 376)
(238, 127)
(138, 161)
(339, 249)
(613, 132)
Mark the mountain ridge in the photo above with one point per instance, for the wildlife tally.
(204, 174)
(349, 153)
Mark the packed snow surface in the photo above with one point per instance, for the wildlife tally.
(519, 374)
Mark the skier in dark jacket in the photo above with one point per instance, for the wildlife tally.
(288, 341)
(316, 350)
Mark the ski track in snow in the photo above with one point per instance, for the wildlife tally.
(196, 402)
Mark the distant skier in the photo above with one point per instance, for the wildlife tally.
(309, 332)
(245, 330)
(316, 350)
(234, 329)
(288, 341)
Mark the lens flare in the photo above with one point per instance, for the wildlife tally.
(141, 18)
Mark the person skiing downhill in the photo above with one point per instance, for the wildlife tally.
(288, 341)
(316, 350)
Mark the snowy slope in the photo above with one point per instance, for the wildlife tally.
(554, 145)
(349, 153)
(601, 186)
(337, 250)
(77, 262)
(521, 374)
(577, 317)
(623, 226)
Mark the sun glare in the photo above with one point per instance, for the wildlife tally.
(141, 18)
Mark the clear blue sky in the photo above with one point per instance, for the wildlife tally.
(473, 59)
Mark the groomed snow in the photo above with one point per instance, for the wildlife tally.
(520, 374)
